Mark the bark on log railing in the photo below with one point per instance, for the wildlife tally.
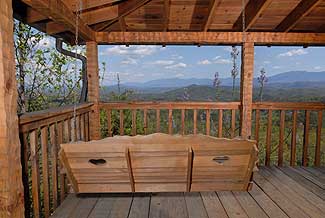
(292, 124)
(283, 130)
(41, 134)
(165, 114)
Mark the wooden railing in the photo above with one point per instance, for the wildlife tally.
(41, 133)
(286, 133)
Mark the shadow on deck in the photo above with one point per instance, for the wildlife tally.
(277, 192)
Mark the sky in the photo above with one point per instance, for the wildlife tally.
(145, 63)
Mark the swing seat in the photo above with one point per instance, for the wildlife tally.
(159, 163)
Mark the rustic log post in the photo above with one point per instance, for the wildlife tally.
(246, 89)
(93, 89)
(11, 187)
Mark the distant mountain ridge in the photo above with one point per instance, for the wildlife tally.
(294, 77)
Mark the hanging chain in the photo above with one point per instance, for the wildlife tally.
(78, 12)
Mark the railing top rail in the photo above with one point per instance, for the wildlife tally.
(289, 105)
(170, 105)
(49, 113)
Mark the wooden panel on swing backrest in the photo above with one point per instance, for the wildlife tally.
(159, 163)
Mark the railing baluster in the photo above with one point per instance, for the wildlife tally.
(69, 129)
(66, 137)
(25, 176)
(293, 139)
(194, 121)
(183, 121)
(134, 122)
(82, 127)
(208, 125)
(35, 173)
(318, 138)
(233, 123)
(78, 127)
(121, 122)
(54, 165)
(109, 122)
(268, 138)
(257, 126)
(158, 120)
(62, 175)
(145, 121)
(306, 139)
(170, 121)
(45, 173)
(281, 136)
(87, 127)
(220, 118)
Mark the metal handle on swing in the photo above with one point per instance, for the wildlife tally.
(220, 159)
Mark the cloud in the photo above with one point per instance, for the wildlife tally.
(129, 61)
(317, 68)
(228, 49)
(177, 57)
(219, 60)
(276, 67)
(266, 62)
(163, 62)
(294, 52)
(204, 62)
(135, 51)
(179, 75)
(178, 65)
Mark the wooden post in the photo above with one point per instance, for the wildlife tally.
(246, 89)
(93, 89)
(11, 186)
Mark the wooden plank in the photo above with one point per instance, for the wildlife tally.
(320, 175)
(45, 173)
(170, 121)
(54, 164)
(35, 173)
(209, 38)
(268, 138)
(301, 10)
(231, 205)
(211, 11)
(278, 197)
(246, 89)
(195, 206)
(220, 123)
(121, 206)
(266, 203)
(140, 206)
(60, 13)
(318, 138)
(84, 207)
(250, 206)
(233, 123)
(208, 124)
(103, 206)
(194, 121)
(213, 205)
(145, 121)
(165, 205)
(166, 14)
(257, 127)
(158, 120)
(121, 122)
(128, 160)
(134, 122)
(293, 139)
(309, 176)
(281, 138)
(305, 158)
(309, 208)
(253, 9)
(304, 182)
(109, 122)
(183, 122)
(67, 207)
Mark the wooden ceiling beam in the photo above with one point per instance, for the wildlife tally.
(53, 28)
(57, 11)
(166, 14)
(124, 9)
(302, 9)
(253, 10)
(122, 24)
(210, 38)
(34, 16)
(90, 4)
(212, 8)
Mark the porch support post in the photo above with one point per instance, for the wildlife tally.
(246, 89)
(11, 186)
(93, 89)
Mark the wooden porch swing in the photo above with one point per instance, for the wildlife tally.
(159, 162)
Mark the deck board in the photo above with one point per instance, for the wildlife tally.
(277, 192)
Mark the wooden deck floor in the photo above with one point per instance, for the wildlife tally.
(277, 192)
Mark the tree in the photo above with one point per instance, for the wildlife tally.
(216, 84)
(234, 71)
(262, 80)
